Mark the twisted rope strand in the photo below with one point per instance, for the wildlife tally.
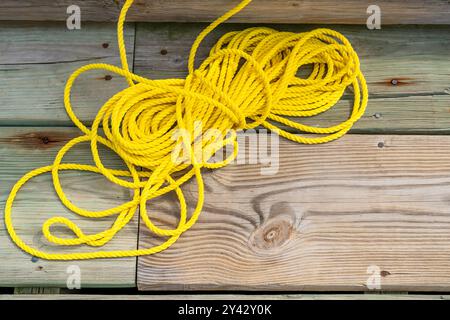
(249, 80)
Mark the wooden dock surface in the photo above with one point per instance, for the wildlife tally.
(260, 11)
(321, 219)
(377, 198)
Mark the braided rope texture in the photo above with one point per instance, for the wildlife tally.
(248, 80)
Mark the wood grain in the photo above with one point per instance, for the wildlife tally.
(23, 149)
(37, 59)
(267, 11)
(415, 56)
(328, 214)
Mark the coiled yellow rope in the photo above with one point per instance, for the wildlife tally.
(248, 80)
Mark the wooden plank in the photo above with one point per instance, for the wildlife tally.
(37, 59)
(415, 56)
(23, 149)
(240, 297)
(267, 11)
(429, 114)
(420, 65)
(330, 217)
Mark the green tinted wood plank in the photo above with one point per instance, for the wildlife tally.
(415, 57)
(37, 58)
(23, 149)
(428, 114)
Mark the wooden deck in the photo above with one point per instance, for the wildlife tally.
(380, 196)
(261, 11)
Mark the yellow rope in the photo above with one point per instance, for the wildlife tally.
(248, 80)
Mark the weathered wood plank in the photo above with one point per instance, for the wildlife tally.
(267, 11)
(35, 68)
(240, 297)
(37, 59)
(328, 214)
(415, 56)
(23, 149)
(411, 114)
